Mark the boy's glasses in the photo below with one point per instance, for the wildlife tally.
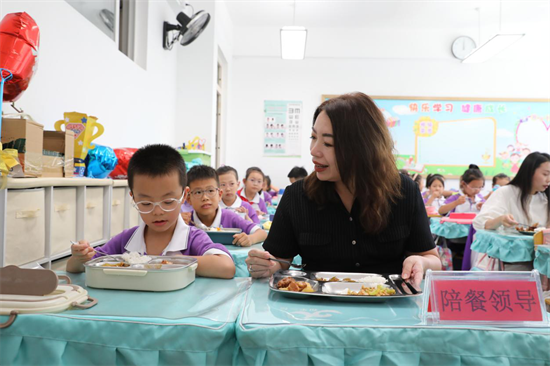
(211, 192)
(167, 205)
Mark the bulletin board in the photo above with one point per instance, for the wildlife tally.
(445, 135)
(282, 128)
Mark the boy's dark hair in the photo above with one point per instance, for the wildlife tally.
(253, 169)
(500, 176)
(155, 161)
(200, 172)
(432, 178)
(473, 173)
(298, 172)
(227, 169)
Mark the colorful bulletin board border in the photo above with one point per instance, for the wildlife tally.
(446, 134)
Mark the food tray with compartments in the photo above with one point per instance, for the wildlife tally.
(222, 236)
(161, 273)
(339, 286)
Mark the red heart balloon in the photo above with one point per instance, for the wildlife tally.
(19, 42)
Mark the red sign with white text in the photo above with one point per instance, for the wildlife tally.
(487, 300)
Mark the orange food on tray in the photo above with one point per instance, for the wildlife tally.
(290, 284)
(529, 229)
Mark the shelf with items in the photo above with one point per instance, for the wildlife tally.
(40, 217)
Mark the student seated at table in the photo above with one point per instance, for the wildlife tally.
(499, 180)
(471, 183)
(297, 173)
(253, 182)
(157, 179)
(229, 183)
(433, 197)
(205, 195)
(523, 201)
(270, 188)
(355, 212)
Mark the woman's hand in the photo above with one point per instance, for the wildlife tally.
(413, 269)
(259, 265)
(508, 220)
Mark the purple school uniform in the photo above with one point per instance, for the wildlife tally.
(186, 207)
(272, 193)
(198, 242)
(267, 198)
(229, 219)
(260, 204)
(240, 203)
(468, 206)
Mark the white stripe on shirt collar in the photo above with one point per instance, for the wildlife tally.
(217, 220)
(177, 243)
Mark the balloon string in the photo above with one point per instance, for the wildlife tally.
(2, 79)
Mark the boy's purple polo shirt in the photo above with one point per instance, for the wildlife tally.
(229, 219)
(198, 242)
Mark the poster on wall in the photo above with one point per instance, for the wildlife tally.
(445, 135)
(282, 128)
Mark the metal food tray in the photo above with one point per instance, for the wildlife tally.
(329, 289)
(223, 236)
(150, 276)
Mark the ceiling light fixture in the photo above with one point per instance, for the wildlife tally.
(293, 40)
(493, 46)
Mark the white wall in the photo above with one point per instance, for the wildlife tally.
(415, 64)
(80, 69)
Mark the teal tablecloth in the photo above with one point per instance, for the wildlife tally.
(240, 253)
(86, 337)
(275, 330)
(448, 230)
(506, 247)
(542, 260)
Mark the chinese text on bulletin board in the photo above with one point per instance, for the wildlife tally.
(445, 135)
(282, 128)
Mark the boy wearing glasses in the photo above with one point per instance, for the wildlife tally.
(205, 196)
(229, 183)
(157, 179)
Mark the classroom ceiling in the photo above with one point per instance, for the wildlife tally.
(391, 14)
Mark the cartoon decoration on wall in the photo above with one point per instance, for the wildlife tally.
(391, 121)
(425, 127)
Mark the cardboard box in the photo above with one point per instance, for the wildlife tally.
(32, 133)
(63, 143)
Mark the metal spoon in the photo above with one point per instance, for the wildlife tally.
(100, 251)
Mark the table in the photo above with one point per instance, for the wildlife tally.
(505, 246)
(542, 260)
(448, 230)
(241, 253)
(275, 330)
(195, 325)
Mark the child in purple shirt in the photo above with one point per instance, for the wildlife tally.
(229, 183)
(471, 183)
(253, 182)
(205, 196)
(157, 177)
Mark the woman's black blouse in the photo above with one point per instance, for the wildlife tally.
(332, 239)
